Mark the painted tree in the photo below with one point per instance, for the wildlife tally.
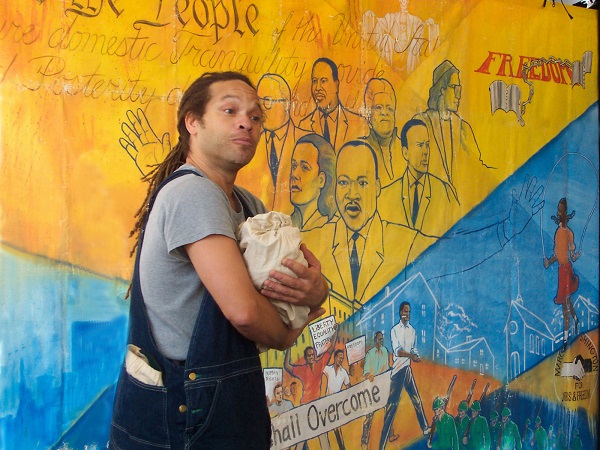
(452, 323)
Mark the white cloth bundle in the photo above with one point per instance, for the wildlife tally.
(138, 367)
(265, 240)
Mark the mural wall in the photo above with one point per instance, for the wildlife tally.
(440, 158)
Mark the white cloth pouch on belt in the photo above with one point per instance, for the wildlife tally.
(265, 240)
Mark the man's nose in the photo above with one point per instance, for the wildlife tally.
(353, 192)
(245, 123)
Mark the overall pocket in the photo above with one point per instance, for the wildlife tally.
(229, 412)
(139, 415)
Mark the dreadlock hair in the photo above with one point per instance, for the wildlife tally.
(193, 101)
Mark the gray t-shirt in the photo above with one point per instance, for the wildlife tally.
(186, 210)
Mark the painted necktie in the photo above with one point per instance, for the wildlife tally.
(326, 127)
(354, 264)
(273, 161)
(415, 206)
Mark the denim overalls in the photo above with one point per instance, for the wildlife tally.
(215, 400)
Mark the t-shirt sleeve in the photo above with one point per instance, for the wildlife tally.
(193, 208)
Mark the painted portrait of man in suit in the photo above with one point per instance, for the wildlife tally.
(418, 199)
(332, 120)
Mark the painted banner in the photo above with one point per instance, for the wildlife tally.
(321, 416)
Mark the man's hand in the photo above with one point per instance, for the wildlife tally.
(523, 207)
(309, 289)
(574, 369)
(141, 142)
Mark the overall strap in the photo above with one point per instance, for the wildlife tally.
(171, 177)
(139, 329)
(245, 207)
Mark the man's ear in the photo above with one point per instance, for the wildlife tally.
(405, 153)
(322, 179)
(191, 122)
(378, 187)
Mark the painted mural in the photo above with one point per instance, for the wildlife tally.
(440, 159)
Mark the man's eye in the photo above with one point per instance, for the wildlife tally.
(342, 183)
(256, 119)
(363, 183)
(229, 111)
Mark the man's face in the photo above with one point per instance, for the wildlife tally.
(310, 355)
(504, 419)
(294, 388)
(357, 186)
(494, 421)
(324, 88)
(561, 212)
(274, 102)
(378, 340)
(417, 152)
(461, 413)
(279, 394)
(403, 4)
(438, 412)
(452, 93)
(339, 359)
(383, 114)
(474, 414)
(228, 133)
(405, 314)
(306, 180)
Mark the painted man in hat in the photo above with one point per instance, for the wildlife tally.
(540, 439)
(510, 439)
(462, 422)
(551, 438)
(527, 438)
(478, 435)
(444, 437)
(576, 443)
(494, 429)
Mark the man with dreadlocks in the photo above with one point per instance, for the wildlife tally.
(564, 253)
(195, 315)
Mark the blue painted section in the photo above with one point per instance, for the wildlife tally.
(62, 340)
(93, 427)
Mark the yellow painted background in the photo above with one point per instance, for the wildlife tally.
(69, 191)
